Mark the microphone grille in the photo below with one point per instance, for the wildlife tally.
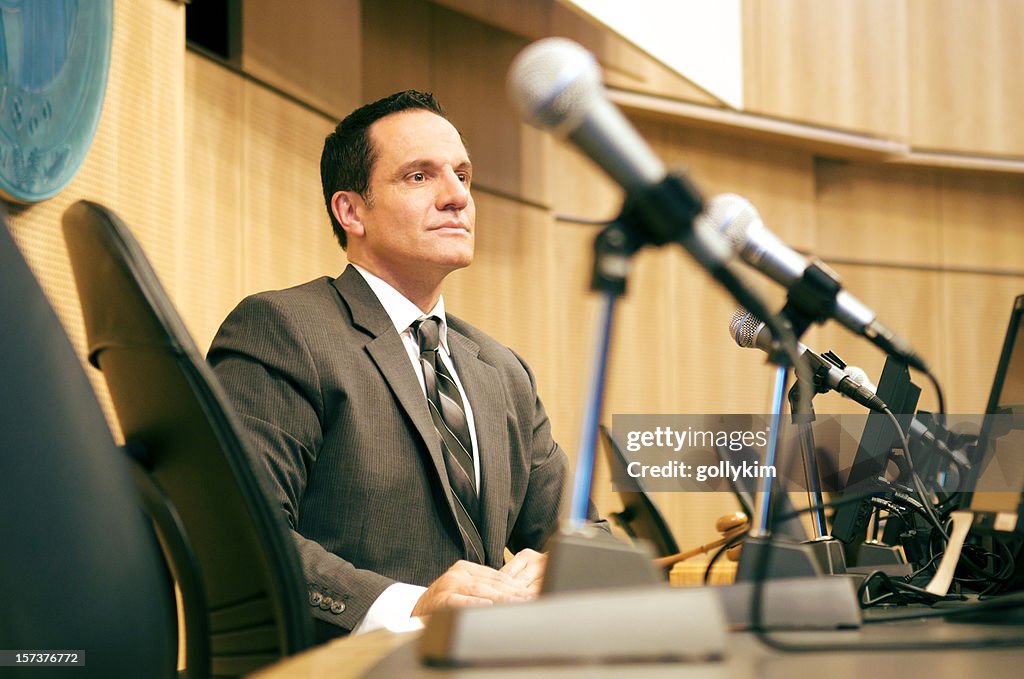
(860, 377)
(730, 215)
(552, 83)
(744, 327)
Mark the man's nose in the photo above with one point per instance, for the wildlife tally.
(454, 192)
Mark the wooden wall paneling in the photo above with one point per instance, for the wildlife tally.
(212, 232)
(530, 19)
(776, 179)
(976, 315)
(981, 215)
(964, 86)
(312, 50)
(396, 36)
(828, 62)
(579, 189)
(287, 237)
(135, 165)
(878, 213)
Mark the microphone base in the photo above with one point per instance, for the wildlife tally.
(633, 624)
(794, 603)
(876, 556)
(829, 553)
(590, 558)
(765, 558)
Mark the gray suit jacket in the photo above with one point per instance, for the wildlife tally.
(336, 414)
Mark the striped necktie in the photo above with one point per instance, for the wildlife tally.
(449, 416)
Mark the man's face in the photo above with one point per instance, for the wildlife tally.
(420, 217)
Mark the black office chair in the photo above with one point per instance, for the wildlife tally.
(179, 424)
(81, 568)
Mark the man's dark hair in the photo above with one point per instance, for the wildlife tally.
(348, 156)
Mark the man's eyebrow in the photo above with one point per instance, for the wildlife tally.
(425, 164)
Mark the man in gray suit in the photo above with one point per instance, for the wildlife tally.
(406, 448)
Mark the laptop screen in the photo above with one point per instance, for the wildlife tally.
(999, 456)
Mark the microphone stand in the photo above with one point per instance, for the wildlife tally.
(612, 249)
(827, 549)
(582, 556)
(807, 302)
(780, 584)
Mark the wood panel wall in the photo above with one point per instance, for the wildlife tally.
(941, 75)
(218, 176)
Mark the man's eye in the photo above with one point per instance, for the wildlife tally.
(463, 177)
(418, 177)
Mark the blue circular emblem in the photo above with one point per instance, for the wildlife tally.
(54, 56)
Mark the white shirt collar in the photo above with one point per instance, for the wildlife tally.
(399, 309)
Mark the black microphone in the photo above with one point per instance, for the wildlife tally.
(750, 332)
(735, 218)
(555, 84)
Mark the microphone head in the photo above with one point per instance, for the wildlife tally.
(732, 216)
(744, 328)
(553, 83)
(860, 377)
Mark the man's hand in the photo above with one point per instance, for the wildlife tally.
(472, 584)
(527, 567)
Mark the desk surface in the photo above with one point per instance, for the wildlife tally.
(384, 655)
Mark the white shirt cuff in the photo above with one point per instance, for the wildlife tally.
(393, 610)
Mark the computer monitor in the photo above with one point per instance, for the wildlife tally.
(996, 484)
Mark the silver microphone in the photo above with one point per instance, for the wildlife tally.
(555, 85)
(739, 222)
(748, 331)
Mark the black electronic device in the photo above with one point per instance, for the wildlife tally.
(879, 442)
(639, 518)
(995, 486)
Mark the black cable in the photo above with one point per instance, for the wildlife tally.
(915, 479)
(942, 400)
(765, 637)
(904, 592)
(1007, 601)
(730, 543)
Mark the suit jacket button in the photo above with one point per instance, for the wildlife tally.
(315, 598)
(326, 603)
(338, 607)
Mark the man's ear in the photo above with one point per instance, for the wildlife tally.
(346, 207)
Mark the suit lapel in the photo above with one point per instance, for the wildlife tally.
(483, 387)
(389, 355)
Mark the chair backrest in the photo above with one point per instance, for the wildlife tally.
(172, 408)
(81, 568)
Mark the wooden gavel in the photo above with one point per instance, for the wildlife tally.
(729, 526)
